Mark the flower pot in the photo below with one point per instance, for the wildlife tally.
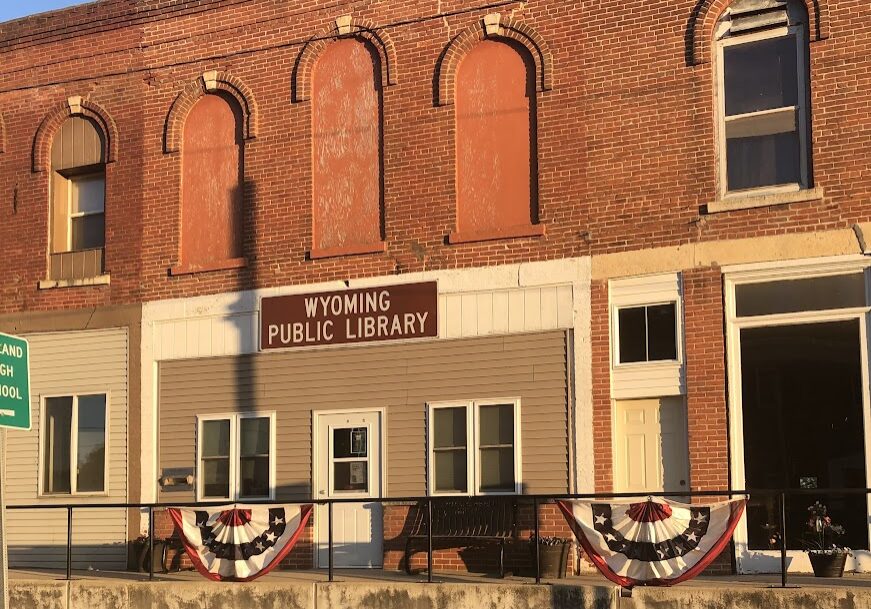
(552, 560)
(156, 560)
(828, 564)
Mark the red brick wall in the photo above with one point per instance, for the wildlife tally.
(625, 136)
(601, 351)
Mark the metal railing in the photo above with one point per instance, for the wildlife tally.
(536, 500)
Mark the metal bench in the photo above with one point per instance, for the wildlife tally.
(493, 520)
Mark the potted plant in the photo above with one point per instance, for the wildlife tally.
(827, 558)
(553, 555)
(143, 554)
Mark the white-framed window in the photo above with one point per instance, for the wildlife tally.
(236, 456)
(474, 447)
(762, 98)
(646, 333)
(74, 430)
(87, 200)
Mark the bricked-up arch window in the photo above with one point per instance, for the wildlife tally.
(78, 193)
(762, 57)
(211, 186)
(495, 143)
(346, 150)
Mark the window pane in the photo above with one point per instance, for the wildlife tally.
(350, 442)
(812, 294)
(760, 75)
(766, 160)
(254, 477)
(91, 444)
(88, 232)
(449, 427)
(216, 478)
(497, 469)
(633, 335)
(450, 471)
(88, 194)
(216, 438)
(661, 333)
(497, 425)
(57, 426)
(254, 436)
(351, 476)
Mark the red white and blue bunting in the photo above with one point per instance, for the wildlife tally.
(652, 543)
(238, 543)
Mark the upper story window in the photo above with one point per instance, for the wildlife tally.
(762, 56)
(78, 200)
(211, 185)
(496, 155)
(647, 333)
(346, 150)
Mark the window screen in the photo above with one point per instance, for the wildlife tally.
(215, 454)
(450, 450)
(254, 457)
(496, 433)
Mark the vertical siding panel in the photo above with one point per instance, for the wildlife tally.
(469, 320)
(516, 314)
(565, 306)
(500, 312)
(453, 314)
(484, 306)
(549, 313)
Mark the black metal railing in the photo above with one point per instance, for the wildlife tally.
(781, 495)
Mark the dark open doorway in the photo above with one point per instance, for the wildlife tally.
(803, 426)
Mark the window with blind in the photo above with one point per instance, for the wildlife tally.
(763, 97)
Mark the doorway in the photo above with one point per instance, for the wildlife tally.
(348, 465)
(651, 446)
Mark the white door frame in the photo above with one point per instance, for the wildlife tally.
(756, 561)
(316, 447)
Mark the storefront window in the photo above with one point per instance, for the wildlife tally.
(74, 433)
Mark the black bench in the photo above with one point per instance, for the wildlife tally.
(463, 519)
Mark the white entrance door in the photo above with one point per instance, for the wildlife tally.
(348, 465)
(651, 453)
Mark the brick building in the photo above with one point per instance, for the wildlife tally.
(637, 231)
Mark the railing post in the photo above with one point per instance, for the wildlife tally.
(330, 539)
(783, 566)
(537, 544)
(150, 543)
(429, 539)
(69, 542)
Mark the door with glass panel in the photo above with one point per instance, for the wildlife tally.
(799, 378)
(348, 466)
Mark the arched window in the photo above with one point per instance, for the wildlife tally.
(211, 186)
(763, 102)
(495, 143)
(346, 150)
(78, 193)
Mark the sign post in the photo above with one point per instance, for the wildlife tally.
(14, 413)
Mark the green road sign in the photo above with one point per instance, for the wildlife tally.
(14, 382)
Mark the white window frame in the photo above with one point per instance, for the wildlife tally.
(801, 110)
(74, 445)
(71, 186)
(678, 333)
(473, 436)
(235, 455)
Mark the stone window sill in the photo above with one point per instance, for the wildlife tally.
(510, 232)
(51, 284)
(193, 268)
(751, 201)
(350, 250)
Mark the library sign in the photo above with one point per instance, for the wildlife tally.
(14, 382)
(383, 313)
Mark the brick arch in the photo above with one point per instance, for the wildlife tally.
(210, 82)
(703, 20)
(74, 106)
(493, 27)
(342, 27)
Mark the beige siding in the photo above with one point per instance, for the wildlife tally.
(63, 364)
(401, 378)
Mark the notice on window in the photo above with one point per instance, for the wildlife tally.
(400, 312)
